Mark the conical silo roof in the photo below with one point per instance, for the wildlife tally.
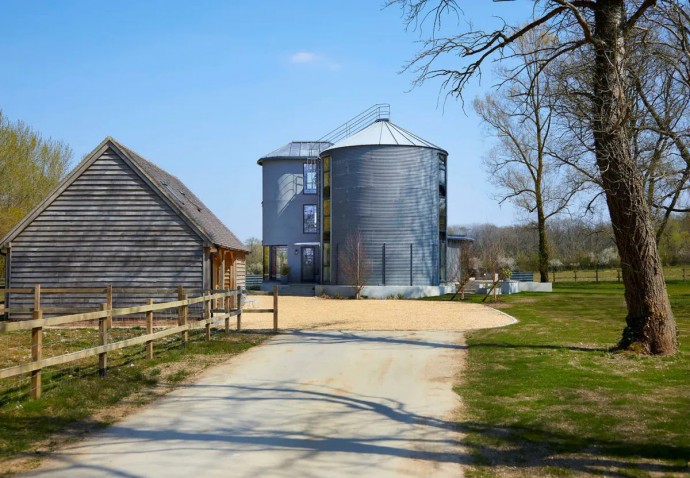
(383, 132)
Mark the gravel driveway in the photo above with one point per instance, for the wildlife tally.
(371, 314)
(303, 404)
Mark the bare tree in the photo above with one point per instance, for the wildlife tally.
(600, 31)
(519, 115)
(353, 263)
(459, 270)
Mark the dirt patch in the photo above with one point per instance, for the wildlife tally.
(318, 313)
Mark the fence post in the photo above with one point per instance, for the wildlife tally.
(495, 287)
(181, 312)
(275, 309)
(109, 304)
(149, 330)
(684, 275)
(207, 314)
(619, 275)
(185, 315)
(239, 308)
(553, 273)
(103, 340)
(597, 273)
(36, 344)
(575, 274)
(227, 307)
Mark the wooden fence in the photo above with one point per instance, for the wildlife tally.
(228, 303)
(602, 275)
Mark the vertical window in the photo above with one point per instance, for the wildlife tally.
(309, 178)
(326, 237)
(311, 221)
(442, 217)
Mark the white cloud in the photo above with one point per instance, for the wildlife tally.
(308, 57)
(304, 57)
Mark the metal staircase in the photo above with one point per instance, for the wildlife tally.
(378, 112)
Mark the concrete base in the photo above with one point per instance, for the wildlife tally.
(386, 291)
(535, 286)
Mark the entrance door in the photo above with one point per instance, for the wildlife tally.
(308, 260)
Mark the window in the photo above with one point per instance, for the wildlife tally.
(311, 221)
(442, 217)
(326, 238)
(309, 178)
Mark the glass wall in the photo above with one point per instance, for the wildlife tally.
(326, 238)
(442, 217)
(275, 257)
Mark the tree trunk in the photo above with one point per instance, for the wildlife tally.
(651, 328)
(543, 246)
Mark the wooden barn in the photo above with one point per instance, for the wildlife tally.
(120, 220)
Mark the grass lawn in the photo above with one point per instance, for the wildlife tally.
(75, 400)
(545, 397)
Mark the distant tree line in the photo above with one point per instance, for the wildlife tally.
(30, 167)
(574, 243)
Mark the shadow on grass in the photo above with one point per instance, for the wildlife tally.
(544, 347)
(524, 447)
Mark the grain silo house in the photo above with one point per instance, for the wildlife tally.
(366, 203)
(118, 219)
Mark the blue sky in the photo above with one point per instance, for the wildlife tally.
(205, 88)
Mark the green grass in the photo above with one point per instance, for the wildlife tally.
(546, 397)
(76, 399)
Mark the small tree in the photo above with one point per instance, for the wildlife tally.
(459, 269)
(353, 263)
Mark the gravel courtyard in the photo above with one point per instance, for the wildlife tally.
(370, 314)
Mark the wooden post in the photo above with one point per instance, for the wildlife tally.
(575, 274)
(227, 309)
(684, 275)
(597, 273)
(207, 315)
(495, 287)
(36, 344)
(185, 316)
(109, 304)
(102, 340)
(553, 274)
(149, 330)
(275, 309)
(462, 292)
(181, 313)
(619, 275)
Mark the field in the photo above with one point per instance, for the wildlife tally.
(547, 397)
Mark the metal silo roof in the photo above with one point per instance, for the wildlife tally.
(383, 132)
(297, 149)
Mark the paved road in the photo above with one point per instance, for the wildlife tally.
(303, 404)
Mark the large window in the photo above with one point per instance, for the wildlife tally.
(275, 258)
(442, 217)
(326, 238)
(311, 219)
(310, 178)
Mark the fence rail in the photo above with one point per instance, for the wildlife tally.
(228, 303)
(598, 275)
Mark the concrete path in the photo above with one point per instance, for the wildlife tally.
(303, 404)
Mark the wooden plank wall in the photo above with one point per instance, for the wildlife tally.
(108, 227)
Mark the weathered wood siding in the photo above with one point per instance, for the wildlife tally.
(107, 227)
(241, 270)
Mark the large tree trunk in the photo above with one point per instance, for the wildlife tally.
(543, 245)
(650, 327)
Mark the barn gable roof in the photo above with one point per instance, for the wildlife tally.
(172, 190)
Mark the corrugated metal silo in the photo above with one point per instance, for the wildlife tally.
(386, 188)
